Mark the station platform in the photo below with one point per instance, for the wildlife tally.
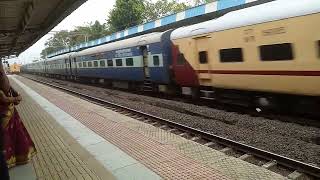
(77, 139)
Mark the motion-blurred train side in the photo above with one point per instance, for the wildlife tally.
(142, 61)
(265, 55)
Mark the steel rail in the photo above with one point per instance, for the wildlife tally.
(301, 167)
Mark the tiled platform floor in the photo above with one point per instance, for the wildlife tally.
(58, 156)
(170, 156)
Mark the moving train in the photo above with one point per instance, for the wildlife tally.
(14, 68)
(267, 56)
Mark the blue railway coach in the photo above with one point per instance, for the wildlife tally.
(142, 61)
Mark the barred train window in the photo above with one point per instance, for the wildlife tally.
(129, 62)
(118, 62)
(110, 63)
(203, 57)
(276, 52)
(80, 65)
(89, 64)
(95, 63)
(231, 55)
(102, 63)
(84, 64)
(156, 61)
(181, 59)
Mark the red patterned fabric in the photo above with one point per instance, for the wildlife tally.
(18, 145)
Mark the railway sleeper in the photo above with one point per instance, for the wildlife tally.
(296, 175)
(270, 164)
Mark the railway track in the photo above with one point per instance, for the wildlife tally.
(283, 116)
(287, 167)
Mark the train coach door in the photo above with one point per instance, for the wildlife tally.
(66, 71)
(145, 61)
(45, 66)
(70, 67)
(75, 68)
(202, 57)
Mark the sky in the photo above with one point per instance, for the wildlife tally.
(90, 11)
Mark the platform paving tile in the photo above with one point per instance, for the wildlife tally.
(233, 167)
(54, 159)
(167, 154)
(127, 139)
(133, 172)
(71, 125)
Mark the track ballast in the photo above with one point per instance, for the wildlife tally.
(280, 164)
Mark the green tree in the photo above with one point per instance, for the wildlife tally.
(66, 39)
(198, 2)
(162, 8)
(89, 32)
(126, 13)
(59, 41)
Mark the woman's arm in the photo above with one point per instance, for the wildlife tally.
(14, 92)
(7, 100)
(17, 95)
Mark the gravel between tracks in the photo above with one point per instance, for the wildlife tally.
(287, 139)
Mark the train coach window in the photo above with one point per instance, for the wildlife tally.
(118, 62)
(89, 64)
(95, 63)
(203, 57)
(181, 59)
(319, 49)
(276, 52)
(156, 61)
(80, 65)
(110, 63)
(102, 63)
(84, 64)
(231, 55)
(129, 62)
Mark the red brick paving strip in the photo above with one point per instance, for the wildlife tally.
(162, 159)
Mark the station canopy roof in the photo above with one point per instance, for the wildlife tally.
(23, 22)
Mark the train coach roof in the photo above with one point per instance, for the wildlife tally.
(132, 42)
(33, 63)
(135, 41)
(63, 56)
(271, 11)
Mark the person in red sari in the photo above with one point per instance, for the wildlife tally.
(17, 143)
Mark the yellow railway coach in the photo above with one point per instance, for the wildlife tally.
(14, 68)
(272, 48)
